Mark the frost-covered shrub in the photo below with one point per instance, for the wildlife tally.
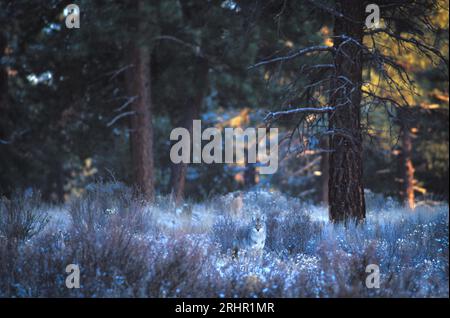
(128, 248)
(292, 232)
(224, 232)
(105, 239)
(20, 217)
(99, 206)
(180, 266)
(40, 268)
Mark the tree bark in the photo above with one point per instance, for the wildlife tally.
(3, 88)
(191, 112)
(139, 86)
(346, 191)
(406, 164)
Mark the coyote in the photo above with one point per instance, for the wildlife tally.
(251, 238)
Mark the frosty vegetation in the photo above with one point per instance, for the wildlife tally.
(126, 248)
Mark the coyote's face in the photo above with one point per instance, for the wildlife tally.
(259, 223)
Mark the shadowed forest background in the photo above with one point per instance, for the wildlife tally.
(86, 176)
(66, 112)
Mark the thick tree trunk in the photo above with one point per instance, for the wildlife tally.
(346, 191)
(191, 112)
(139, 87)
(406, 164)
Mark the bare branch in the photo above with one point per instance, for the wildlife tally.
(119, 117)
(116, 73)
(332, 11)
(311, 49)
(128, 102)
(382, 98)
(320, 66)
(194, 47)
(311, 110)
(14, 136)
(307, 166)
(424, 48)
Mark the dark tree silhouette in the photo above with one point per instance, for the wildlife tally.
(139, 90)
(190, 112)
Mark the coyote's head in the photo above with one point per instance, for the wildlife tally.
(259, 222)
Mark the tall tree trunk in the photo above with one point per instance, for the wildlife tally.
(5, 123)
(139, 87)
(3, 89)
(406, 164)
(346, 191)
(324, 169)
(191, 112)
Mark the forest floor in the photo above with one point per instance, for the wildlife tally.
(127, 248)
